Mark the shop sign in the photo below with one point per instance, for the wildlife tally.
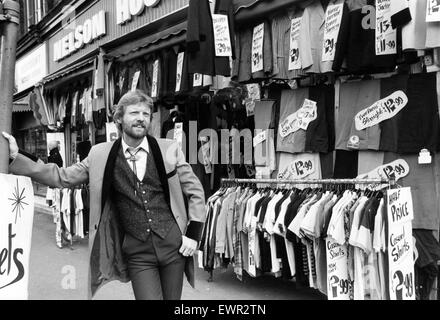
(300, 119)
(294, 53)
(433, 11)
(382, 110)
(386, 36)
(333, 18)
(126, 9)
(400, 244)
(257, 48)
(83, 34)
(16, 220)
(298, 169)
(222, 37)
(31, 68)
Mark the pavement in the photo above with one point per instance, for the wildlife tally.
(61, 274)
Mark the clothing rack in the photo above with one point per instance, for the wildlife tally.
(391, 182)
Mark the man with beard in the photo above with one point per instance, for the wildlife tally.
(141, 229)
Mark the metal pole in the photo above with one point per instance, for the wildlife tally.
(9, 21)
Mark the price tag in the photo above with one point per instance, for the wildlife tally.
(433, 11)
(198, 80)
(300, 119)
(180, 58)
(154, 86)
(386, 36)
(257, 48)
(254, 91)
(382, 110)
(206, 153)
(400, 246)
(135, 80)
(395, 170)
(222, 39)
(294, 58)
(298, 169)
(259, 138)
(333, 18)
(250, 107)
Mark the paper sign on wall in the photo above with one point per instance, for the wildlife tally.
(155, 84)
(433, 11)
(257, 48)
(400, 214)
(16, 220)
(135, 80)
(111, 131)
(180, 58)
(382, 110)
(222, 37)
(300, 119)
(294, 54)
(386, 36)
(333, 18)
(298, 169)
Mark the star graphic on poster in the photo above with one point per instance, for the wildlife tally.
(18, 201)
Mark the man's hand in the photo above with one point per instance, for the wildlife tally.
(188, 247)
(13, 147)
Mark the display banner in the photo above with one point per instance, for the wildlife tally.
(382, 110)
(333, 19)
(257, 48)
(294, 61)
(400, 244)
(16, 220)
(386, 36)
(222, 37)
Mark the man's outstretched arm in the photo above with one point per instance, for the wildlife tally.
(47, 174)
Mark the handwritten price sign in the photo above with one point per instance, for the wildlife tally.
(386, 36)
(400, 214)
(297, 170)
(300, 119)
(382, 110)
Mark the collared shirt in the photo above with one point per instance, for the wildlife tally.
(141, 153)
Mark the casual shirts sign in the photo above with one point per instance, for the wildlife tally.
(294, 61)
(386, 36)
(382, 110)
(222, 37)
(433, 11)
(300, 119)
(257, 48)
(333, 18)
(16, 220)
(400, 244)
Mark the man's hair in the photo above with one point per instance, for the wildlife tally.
(128, 99)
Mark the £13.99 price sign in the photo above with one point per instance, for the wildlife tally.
(400, 244)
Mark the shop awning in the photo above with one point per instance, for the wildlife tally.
(21, 105)
(153, 42)
(248, 10)
(70, 72)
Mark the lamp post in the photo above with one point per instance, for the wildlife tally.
(9, 24)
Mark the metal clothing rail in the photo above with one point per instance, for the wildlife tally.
(390, 182)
